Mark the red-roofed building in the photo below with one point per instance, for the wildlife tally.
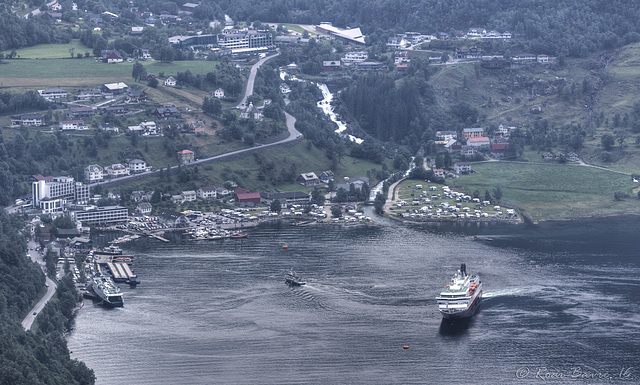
(186, 156)
(482, 141)
(498, 149)
(247, 199)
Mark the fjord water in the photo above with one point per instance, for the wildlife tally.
(561, 300)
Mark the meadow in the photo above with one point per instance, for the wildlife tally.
(553, 191)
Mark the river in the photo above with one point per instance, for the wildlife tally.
(561, 301)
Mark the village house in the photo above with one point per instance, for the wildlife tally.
(468, 150)
(331, 65)
(355, 57)
(208, 192)
(137, 196)
(73, 125)
(244, 198)
(462, 167)
(525, 57)
(326, 176)
(115, 195)
(357, 183)
(445, 135)
(144, 208)
(439, 172)
(108, 127)
(93, 173)
(503, 129)
(81, 112)
(197, 126)
(115, 88)
(498, 149)
(136, 31)
(167, 112)
(136, 96)
(401, 57)
(111, 56)
(53, 93)
(222, 192)
(56, 6)
(479, 142)
(286, 198)
(284, 88)
(543, 59)
(27, 120)
(186, 156)
(308, 179)
(189, 196)
(472, 132)
(218, 93)
(95, 93)
(173, 219)
(117, 169)
(170, 81)
(251, 113)
(138, 165)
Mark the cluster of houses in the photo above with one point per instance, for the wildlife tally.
(408, 39)
(473, 141)
(96, 173)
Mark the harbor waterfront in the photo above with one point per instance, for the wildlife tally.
(560, 300)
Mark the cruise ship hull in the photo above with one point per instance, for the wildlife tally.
(467, 313)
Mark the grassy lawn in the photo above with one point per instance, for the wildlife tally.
(553, 191)
(244, 171)
(52, 51)
(32, 73)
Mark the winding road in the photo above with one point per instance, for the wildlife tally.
(294, 135)
(51, 288)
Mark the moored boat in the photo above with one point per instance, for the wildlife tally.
(461, 297)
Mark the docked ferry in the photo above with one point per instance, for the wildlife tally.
(107, 291)
(461, 297)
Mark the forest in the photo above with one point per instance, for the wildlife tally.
(39, 356)
(561, 28)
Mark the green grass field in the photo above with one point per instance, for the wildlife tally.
(553, 191)
(32, 73)
(52, 51)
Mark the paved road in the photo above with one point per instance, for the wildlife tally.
(38, 258)
(293, 135)
(252, 77)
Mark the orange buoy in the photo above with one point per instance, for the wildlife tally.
(406, 347)
(285, 247)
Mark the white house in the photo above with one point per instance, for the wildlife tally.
(138, 165)
(355, 57)
(93, 173)
(462, 167)
(189, 195)
(53, 93)
(170, 82)
(208, 192)
(73, 125)
(117, 169)
(219, 93)
(543, 59)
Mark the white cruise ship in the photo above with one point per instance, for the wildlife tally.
(461, 297)
(107, 291)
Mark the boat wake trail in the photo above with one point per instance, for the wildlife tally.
(516, 291)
